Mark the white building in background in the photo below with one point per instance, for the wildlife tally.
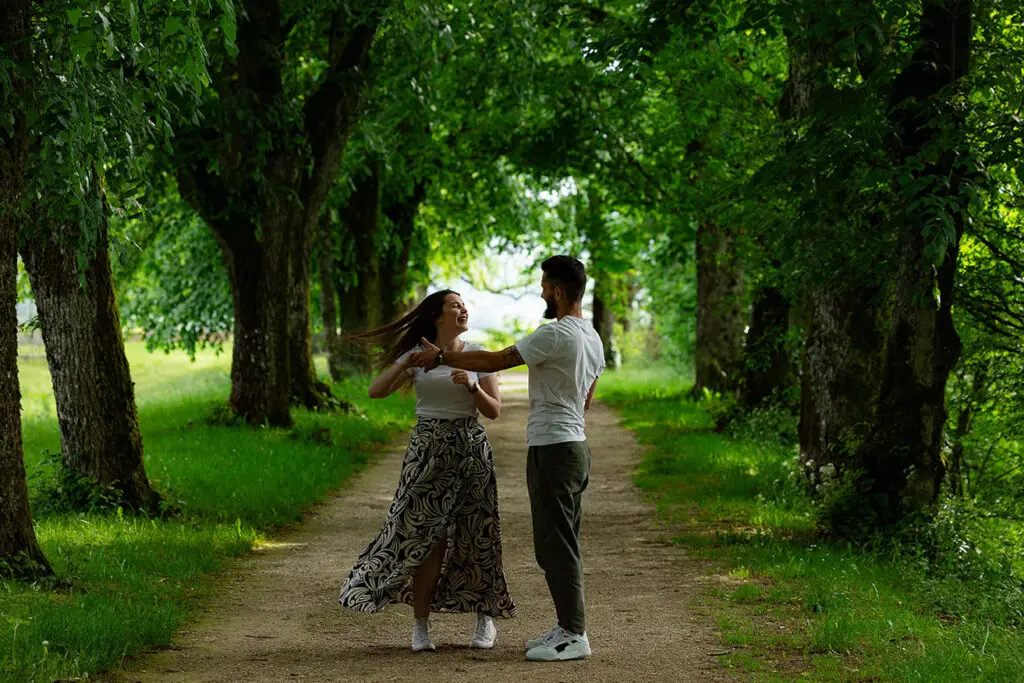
(26, 311)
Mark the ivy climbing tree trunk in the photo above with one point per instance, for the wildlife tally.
(92, 384)
(902, 459)
(20, 554)
(274, 166)
(721, 310)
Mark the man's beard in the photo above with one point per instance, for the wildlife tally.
(550, 312)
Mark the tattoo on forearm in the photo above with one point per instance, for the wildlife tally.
(511, 357)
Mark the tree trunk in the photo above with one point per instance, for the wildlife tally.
(902, 460)
(258, 270)
(92, 384)
(845, 333)
(20, 554)
(964, 423)
(394, 283)
(361, 295)
(604, 319)
(841, 371)
(721, 310)
(632, 288)
(394, 270)
(264, 216)
(768, 371)
(355, 358)
(329, 294)
(306, 390)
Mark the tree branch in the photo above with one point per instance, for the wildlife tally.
(515, 292)
(259, 64)
(330, 112)
(999, 253)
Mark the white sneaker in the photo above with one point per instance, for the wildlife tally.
(486, 632)
(561, 647)
(421, 636)
(542, 638)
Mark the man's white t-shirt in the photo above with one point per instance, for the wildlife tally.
(564, 358)
(437, 396)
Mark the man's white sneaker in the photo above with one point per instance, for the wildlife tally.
(542, 638)
(485, 634)
(561, 647)
(421, 636)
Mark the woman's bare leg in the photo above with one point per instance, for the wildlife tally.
(424, 581)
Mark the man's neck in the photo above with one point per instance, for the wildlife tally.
(576, 311)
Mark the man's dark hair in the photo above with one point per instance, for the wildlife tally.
(568, 273)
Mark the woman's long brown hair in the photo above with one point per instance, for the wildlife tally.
(403, 334)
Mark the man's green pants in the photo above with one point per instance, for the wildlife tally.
(557, 475)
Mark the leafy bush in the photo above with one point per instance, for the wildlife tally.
(58, 489)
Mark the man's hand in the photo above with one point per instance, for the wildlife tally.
(426, 359)
(462, 377)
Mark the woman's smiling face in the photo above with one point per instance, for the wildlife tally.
(454, 318)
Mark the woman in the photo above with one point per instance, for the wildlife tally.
(439, 548)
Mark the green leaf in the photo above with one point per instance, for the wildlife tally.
(82, 43)
(173, 25)
(133, 20)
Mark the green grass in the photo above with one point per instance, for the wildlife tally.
(127, 583)
(790, 604)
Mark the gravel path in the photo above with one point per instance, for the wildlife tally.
(276, 617)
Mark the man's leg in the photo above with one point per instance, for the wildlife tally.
(557, 475)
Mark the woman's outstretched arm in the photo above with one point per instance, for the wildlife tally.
(391, 380)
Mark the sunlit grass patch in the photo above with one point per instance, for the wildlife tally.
(127, 583)
(791, 604)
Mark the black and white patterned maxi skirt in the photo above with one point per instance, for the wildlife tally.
(447, 492)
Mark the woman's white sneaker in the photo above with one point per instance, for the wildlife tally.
(486, 632)
(421, 636)
(542, 638)
(561, 646)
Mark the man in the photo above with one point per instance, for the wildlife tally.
(565, 359)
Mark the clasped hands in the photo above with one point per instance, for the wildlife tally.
(428, 360)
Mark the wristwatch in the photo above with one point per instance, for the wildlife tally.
(440, 358)
(475, 388)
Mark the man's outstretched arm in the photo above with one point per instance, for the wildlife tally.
(477, 361)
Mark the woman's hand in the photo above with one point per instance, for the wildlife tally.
(462, 377)
(427, 358)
